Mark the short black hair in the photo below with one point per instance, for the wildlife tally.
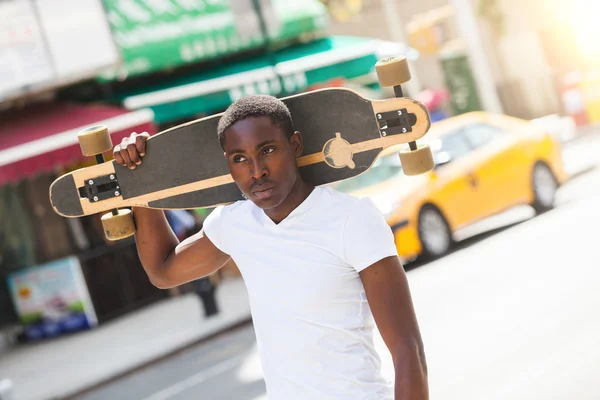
(257, 105)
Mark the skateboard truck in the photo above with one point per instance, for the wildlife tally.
(101, 188)
(118, 223)
(393, 72)
(398, 92)
(394, 122)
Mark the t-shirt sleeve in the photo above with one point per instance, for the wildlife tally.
(214, 227)
(367, 238)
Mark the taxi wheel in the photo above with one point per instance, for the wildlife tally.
(544, 187)
(434, 233)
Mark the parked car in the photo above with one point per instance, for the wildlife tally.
(484, 164)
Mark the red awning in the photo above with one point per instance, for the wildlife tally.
(42, 137)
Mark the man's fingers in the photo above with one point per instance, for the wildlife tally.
(140, 143)
(131, 149)
(133, 153)
(122, 150)
(117, 155)
(125, 154)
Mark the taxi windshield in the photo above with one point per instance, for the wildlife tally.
(384, 168)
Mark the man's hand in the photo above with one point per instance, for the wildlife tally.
(389, 297)
(130, 151)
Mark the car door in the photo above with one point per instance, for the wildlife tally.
(455, 188)
(494, 161)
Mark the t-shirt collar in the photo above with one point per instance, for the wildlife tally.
(302, 208)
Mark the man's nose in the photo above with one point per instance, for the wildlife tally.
(258, 169)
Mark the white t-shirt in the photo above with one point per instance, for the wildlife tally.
(312, 320)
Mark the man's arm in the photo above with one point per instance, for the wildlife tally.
(167, 262)
(388, 294)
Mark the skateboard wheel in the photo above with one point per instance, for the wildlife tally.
(392, 71)
(119, 226)
(416, 162)
(94, 140)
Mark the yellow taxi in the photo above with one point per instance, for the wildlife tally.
(485, 164)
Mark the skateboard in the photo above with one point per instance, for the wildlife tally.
(184, 166)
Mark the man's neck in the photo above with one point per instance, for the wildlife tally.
(298, 194)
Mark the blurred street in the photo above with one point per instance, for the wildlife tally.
(510, 314)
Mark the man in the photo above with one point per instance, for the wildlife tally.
(321, 267)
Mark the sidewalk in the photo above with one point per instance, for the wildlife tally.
(62, 367)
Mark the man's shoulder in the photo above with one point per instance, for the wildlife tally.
(341, 205)
(343, 201)
(237, 207)
(240, 207)
(350, 210)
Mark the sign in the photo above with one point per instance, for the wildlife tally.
(52, 43)
(159, 34)
(297, 69)
(464, 96)
(52, 299)
(79, 37)
(24, 60)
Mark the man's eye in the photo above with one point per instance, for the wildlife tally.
(239, 159)
(268, 150)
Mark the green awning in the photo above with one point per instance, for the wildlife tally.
(158, 34)
(297, 69)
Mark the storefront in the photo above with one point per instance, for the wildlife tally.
(177, 65)
(331, 61)
(161, 35)
(37, 144)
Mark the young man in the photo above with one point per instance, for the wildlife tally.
(321, 267)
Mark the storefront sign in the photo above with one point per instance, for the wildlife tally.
(52, 299)
(52, 43)
(158, 34)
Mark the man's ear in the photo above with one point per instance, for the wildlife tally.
(297, 143)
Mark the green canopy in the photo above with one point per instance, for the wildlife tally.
(297, 69)
(158, 34)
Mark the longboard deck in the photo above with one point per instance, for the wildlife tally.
(184, 166)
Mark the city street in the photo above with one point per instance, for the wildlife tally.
(509, 312)
(512, 313)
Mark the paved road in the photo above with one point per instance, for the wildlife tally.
(511, 314)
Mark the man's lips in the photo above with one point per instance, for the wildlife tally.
(263, 191)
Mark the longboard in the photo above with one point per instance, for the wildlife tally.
(184, 166)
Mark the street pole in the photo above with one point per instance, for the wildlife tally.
(396, 29)
(467, 24)
(267, 41)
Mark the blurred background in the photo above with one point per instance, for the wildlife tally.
(498, 241)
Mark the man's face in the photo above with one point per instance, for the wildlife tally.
(262, 160)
